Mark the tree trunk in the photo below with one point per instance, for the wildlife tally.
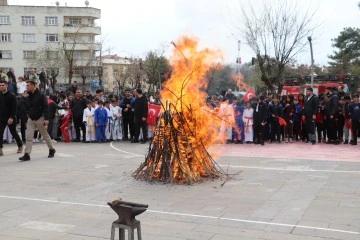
(280, 78)
(70, 71)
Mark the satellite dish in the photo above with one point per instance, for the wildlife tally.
(57, 3)
(86, 3)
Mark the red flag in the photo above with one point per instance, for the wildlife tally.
(282, 122)
(153, 113)
(65, 127)
(250, 93)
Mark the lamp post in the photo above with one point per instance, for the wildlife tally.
(312, 62)
(239, 62)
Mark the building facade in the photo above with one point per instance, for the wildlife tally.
(25, 31)
(115, 72)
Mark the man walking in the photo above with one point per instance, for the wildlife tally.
(77, 105)
(38, 113)
(140, 115)
(311, 108)
(8, 104)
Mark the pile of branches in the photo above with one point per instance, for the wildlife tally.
(175, 154)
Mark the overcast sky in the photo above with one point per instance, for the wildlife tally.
(133, 27)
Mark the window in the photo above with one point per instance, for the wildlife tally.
(77, 55)
(28, 37)
(75, 21)
(91, 22)
(28, 70)
(4, 20)
(29, 54)
(52, 37)
(52, 55)
(51, 21)
(78, 71)
(28, 20)
(91, 39)
(5, 54)
(5, 37)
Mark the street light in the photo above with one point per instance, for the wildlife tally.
(312, 62)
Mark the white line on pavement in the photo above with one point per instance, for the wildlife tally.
(188, 215)
(288, 169)
(117, 149)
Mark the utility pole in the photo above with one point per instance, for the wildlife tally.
(312, 62)
(239, 62)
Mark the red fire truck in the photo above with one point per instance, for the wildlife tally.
(319, 86)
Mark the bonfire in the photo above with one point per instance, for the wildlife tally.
(187, 127)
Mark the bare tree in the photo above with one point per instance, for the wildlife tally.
(136, 72)
(276, 34)
(49, 58)
(69, 49)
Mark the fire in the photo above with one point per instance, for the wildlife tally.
(187, 127)
(239, 80)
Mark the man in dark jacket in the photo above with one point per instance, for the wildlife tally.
(331, 109)
(8, 104)
(354, 110)
(127, 105)
(38, 117)
(259, 116)
(140, 115)
(311, 108)
(77, 105)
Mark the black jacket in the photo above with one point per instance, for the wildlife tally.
(311, 106)
(125, 101)
(52, 109)
(332, 105)
(141, 107)
(21, 109)
(77, 106)
(8, 103)
(260, 115)
(37, 106)
(275, 110)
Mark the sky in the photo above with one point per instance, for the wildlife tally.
(131, 28)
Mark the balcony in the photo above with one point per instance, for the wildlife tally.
(83, 46)
(82, 29)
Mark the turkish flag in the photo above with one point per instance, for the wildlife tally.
(153, 114)
(250, 93)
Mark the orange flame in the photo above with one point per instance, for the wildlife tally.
(188, 82)
(239, 80)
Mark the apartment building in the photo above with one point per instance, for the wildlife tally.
(115, 70)
(26, 30)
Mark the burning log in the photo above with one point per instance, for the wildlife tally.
(175, 154)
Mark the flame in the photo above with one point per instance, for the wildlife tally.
(188, 82)
(188, 127)
(239, 80)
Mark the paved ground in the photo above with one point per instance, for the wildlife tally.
(283, 191)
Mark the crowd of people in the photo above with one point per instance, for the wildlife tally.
(43, 115)
(333, 117)
(68, 115)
